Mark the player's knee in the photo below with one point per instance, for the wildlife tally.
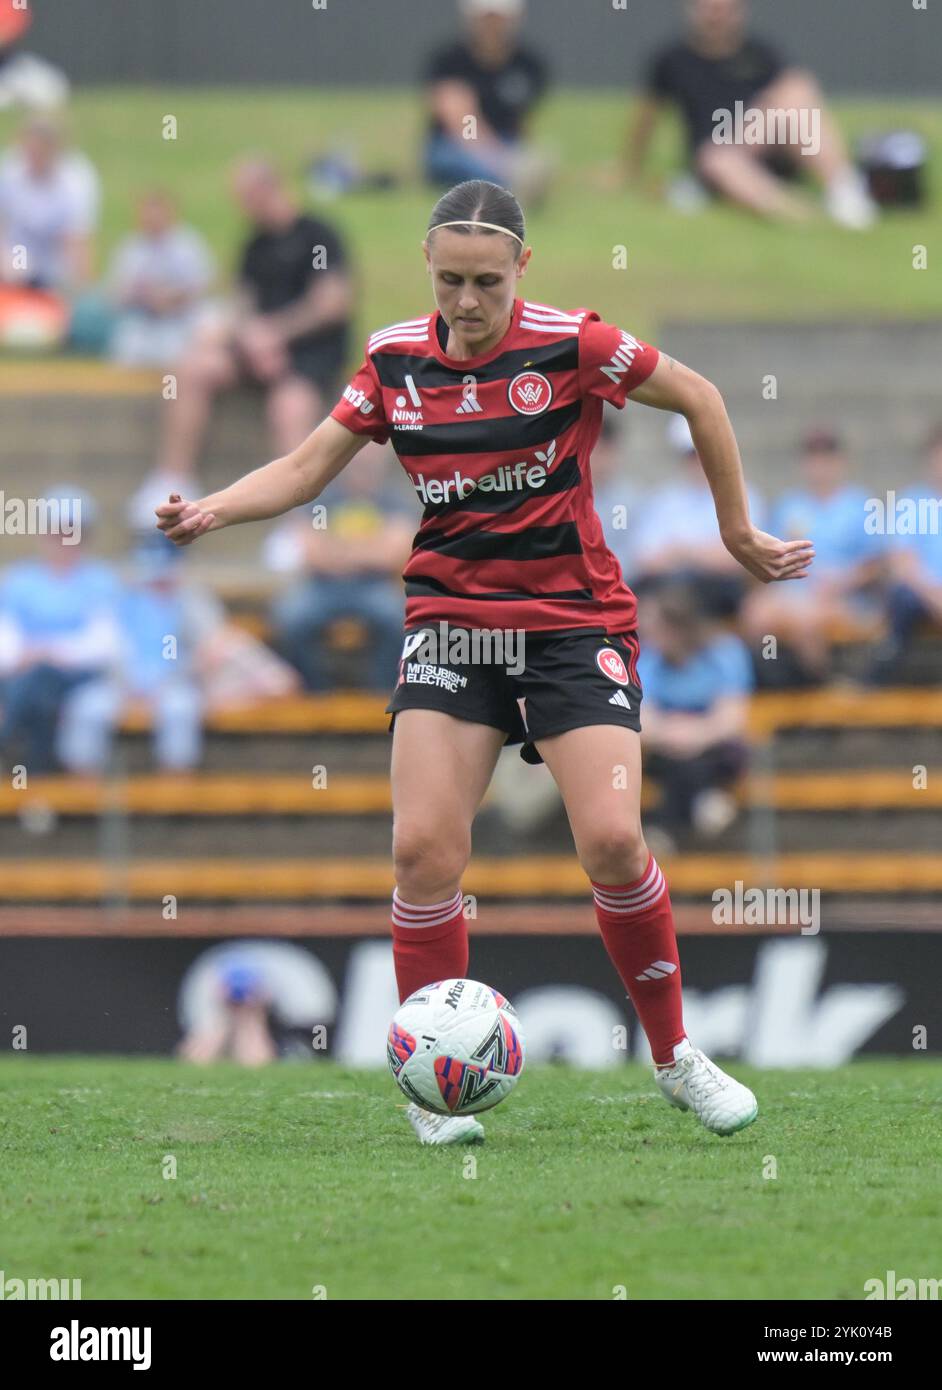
(204, 368)
(424, 864)
(614, 854)
(797, 87)
(710, 159)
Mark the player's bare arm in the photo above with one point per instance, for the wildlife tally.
(672, 386)
(286, 482)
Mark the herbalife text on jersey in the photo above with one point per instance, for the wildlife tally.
(461, 646)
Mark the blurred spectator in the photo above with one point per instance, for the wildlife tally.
(239, 1028)
(914, 562)
(488, 78)
(159, 631)
(718, 64)
(696, 687)
(158, 280)
(830, 511)
(617, 498)
(347, 568)
(58, 632)
(677, 537)
(25, 80)
(49, 201)
(287, 330)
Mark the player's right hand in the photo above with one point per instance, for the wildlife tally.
(181, 521)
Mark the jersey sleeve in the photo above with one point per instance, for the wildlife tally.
(360, 408)
(611, 362)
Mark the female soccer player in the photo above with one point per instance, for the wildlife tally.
(493, 405)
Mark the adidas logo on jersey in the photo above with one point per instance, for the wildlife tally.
(470, 405)
(620, 698)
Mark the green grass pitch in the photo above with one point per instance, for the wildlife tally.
(306, 1177)
(720, 264)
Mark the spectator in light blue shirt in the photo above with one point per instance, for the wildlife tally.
(617, 498)
(696, 682)
(842, 586)
(677, 539)
(914, 591)
(161, 619)
(58, 631)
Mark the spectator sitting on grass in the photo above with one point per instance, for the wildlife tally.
(676, 538)
(58, 632)
(840, 588)
(49, 202)
(718, 64)
(349, 567)
(158, 281)
(482, 90)
(914, 564)
(697, 684)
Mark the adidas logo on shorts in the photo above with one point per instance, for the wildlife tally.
(620, 698)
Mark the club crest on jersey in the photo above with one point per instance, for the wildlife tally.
(530, 393)
(611, 665)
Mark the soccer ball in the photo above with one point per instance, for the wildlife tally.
(455, 1047)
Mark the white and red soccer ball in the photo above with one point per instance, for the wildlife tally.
(455, 1047)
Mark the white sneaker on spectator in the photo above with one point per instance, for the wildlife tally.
(848, 202)
(713, 812)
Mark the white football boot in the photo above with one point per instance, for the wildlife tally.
(444, 1129)
(721, 1104)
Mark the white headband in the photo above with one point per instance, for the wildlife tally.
(492, 226)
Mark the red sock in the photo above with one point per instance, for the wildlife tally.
(638, 930)
(429, 943)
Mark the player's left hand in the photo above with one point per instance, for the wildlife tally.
(768, 558)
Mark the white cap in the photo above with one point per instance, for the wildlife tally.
(508, 7)
(679, 436)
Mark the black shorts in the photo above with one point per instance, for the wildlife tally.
(556, 684)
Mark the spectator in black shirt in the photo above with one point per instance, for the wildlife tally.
(719, 64)
(287, 330)
(481, 92)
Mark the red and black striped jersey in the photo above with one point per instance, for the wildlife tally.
(497, 448)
